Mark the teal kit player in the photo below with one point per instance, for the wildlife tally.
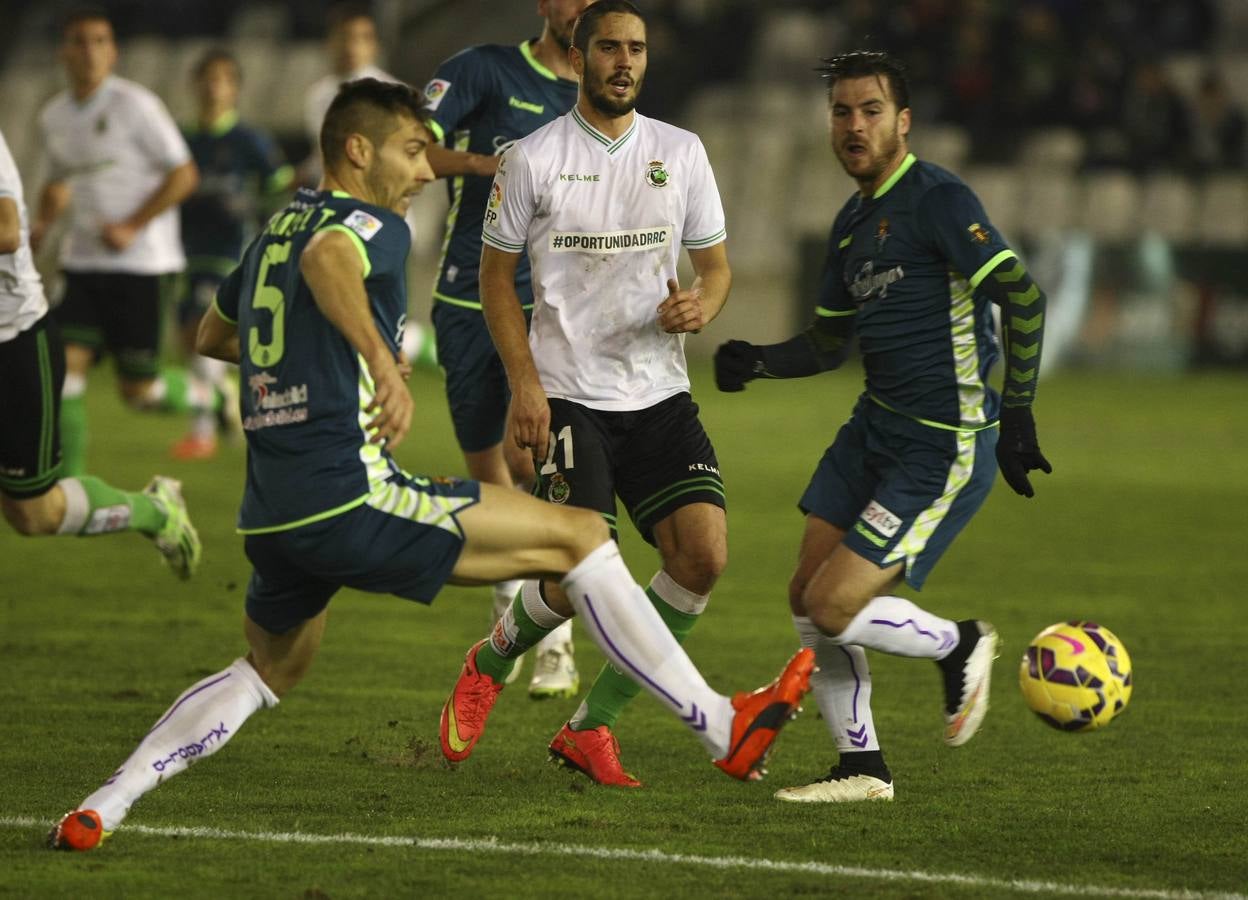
(914, 267)
(241, 168)
(482, 100)
(314, 317)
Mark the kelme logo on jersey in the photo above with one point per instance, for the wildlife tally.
(362, 223)
(559, 490)
(434, 92)
(610, 241)
(656, 174)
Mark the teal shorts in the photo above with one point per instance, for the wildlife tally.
(901, 490)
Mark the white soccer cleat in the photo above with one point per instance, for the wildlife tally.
(838, 787)
(554, 673)
(966, 690)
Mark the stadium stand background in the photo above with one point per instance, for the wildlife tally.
(1105, 137)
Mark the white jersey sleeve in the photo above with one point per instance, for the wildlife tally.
(704, 214)
(158, 135)
(513, 200)
(22, 301)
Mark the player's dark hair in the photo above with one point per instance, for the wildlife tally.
(865, 64)
(211, 57)
(369, 107)
(85, 13)
(341, 13)
(587, 22)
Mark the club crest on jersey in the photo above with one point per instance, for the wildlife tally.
(434, 92)
(559, 490)
(363, 224)
(881, 235)
(979, 234)
(656, 174)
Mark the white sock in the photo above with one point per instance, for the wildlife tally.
(197, 725)
(842, 688)
(77, 506)
(625, 626)
(677, 597)
(897, 626)
(210, 372)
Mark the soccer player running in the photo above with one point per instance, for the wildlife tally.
(913, 266)
(120, 166)
(313, 315)
(481, 101)
(604, 199)
(35, 499)
(240, 168)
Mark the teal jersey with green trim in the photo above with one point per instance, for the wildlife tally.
(906, 264)
(483, 100)
(303, 386)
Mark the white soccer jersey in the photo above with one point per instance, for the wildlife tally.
(22, 302)
(114, 149)
(604, 221)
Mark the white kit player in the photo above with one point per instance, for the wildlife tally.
(603, 199)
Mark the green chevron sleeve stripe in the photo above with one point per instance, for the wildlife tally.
(1013, 275)
(1027, 326)
(1027, 297)
(1022, 375)
(1025, 351)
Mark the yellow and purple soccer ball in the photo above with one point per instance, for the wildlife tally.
(1076, 676)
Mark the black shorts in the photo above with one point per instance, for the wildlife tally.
(656, 460)
(115, 312)
(32, 367)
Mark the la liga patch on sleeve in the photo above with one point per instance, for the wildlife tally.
(363, 224)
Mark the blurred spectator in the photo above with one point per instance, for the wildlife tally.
(1156, 121)
(1218, 130)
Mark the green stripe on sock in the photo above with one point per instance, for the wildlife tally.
(145, 516)
(612, 691)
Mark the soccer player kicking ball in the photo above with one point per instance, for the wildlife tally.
(313, 316)
(913, 266)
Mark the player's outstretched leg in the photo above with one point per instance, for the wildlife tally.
(738, 733)
(198, 724)
(504, 593)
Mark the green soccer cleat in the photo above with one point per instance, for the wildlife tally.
(177, 540)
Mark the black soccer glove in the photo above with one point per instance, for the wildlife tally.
(1018, 451)
(737, 362)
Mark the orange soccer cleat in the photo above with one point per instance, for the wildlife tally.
(594, 751)
(760, 716)
(79, 829)
(465, 711)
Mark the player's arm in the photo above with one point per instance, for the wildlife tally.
(10, 226)
(693, 309)
(178, 184)
(449, 163)
(529, 416)
(217, 337)
(1008, 284)
(53, 200)
(333, 268)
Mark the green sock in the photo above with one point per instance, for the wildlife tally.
(186, 394)
(526, 634)
(109, 509)
(73, 435)
(612, 690)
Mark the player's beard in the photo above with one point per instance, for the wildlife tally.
(878, 162)
(605, 103)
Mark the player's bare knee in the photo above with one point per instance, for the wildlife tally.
(829, 612)
(797, 595)
(698, 566)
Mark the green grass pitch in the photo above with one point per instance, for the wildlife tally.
(1142, 527)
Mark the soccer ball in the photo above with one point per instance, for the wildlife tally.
(1076, 676)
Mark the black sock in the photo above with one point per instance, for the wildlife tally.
(865, 762)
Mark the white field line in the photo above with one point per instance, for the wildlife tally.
(493, 845)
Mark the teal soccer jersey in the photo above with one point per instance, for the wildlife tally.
(303, 385)
(483, 99)
(906, 264)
